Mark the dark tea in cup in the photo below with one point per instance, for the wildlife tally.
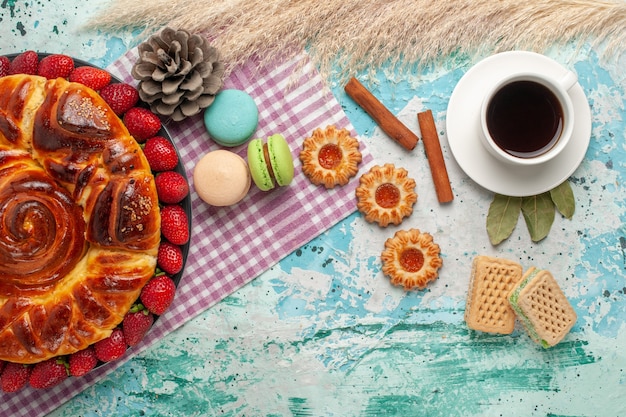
(525, 118)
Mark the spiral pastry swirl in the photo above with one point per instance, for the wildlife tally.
(79, 218)
(42, 229)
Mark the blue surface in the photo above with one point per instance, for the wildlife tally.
(323, 332)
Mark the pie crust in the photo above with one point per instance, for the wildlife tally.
(79, 218)
(386, 194)
(330, 156)
(411, 259)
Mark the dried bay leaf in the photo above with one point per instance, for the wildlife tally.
(502, 217)
(539, 215)
(563, 198)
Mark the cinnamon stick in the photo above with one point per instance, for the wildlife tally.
(432, 146)
(381, 115)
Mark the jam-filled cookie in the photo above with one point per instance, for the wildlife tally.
(386, 194)
(330, 156)
(411, 259)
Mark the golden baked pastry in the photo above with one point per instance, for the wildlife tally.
(386, 195)
(330, 156)
(79, 218)
(411, 259)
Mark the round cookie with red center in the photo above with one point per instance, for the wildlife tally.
(386, 194)
(330, 156)
(411, 259)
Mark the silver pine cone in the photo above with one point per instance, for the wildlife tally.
(178, 73)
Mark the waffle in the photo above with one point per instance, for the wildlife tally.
(542, 307)
(491, 281)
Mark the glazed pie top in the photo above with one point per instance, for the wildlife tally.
(79, 218)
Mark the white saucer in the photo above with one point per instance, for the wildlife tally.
(463, 126)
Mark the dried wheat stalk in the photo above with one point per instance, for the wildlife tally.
(353, 35)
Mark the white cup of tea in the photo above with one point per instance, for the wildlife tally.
(527, 118)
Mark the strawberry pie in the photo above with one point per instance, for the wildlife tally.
(80, 221)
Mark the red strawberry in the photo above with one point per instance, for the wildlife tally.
(171, 187)
(83, 361)
(136, 324)
(48, 373)
(170, 258)
(158, 293)
(4, 66)
(120, 97)
(142, 123)
(175, 224)
(94, 78)
(111, 348)
(25, 63)
(55, 66)
(14, 377)
(161, 154)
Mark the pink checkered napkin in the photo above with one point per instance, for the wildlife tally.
(230, 246)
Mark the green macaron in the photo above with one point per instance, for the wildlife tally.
(270, 163)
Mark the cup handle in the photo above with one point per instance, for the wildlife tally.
(568, 80)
